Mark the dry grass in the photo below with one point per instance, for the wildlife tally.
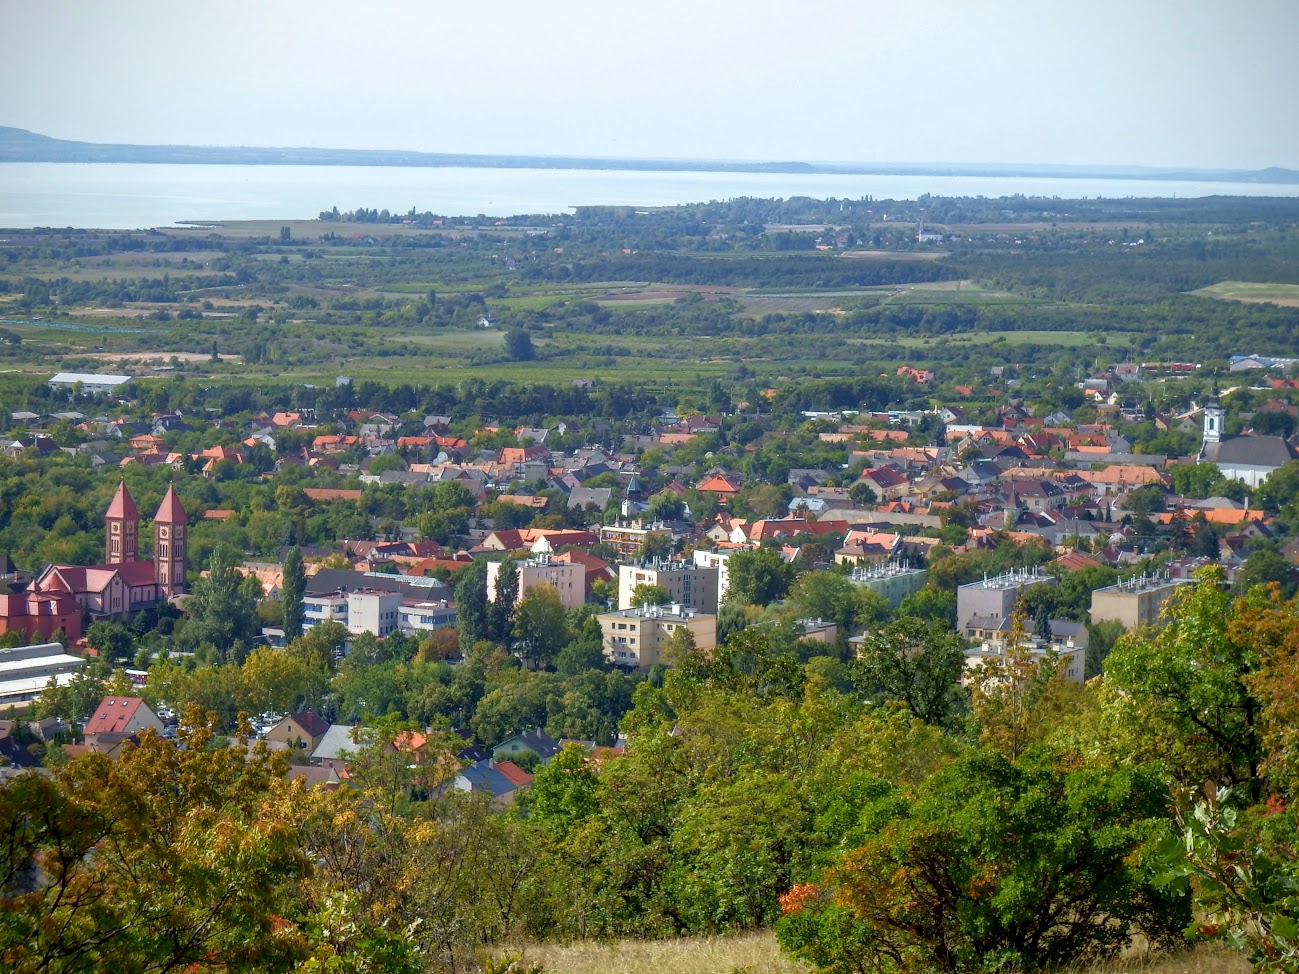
(758, 953)
(755, 953)
(1206, 959)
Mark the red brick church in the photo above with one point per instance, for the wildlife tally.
(124, 584)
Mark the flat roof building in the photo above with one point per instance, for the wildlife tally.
(995, 597)
(89, 382)
(634, 638)
(894, 580)
(686, 582)
(1134, 602)
(566, 578)
(25, 671)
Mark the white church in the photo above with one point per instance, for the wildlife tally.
(1246, 458)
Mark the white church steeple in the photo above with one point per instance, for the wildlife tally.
(1213, 415)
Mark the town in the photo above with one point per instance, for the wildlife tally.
(424, 590)
(620, 557)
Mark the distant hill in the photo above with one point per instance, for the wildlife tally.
(20, 145)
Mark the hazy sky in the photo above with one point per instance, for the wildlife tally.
(1204, 83)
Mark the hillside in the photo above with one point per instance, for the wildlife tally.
(21, 145)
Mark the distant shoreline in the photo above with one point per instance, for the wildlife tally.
(20, 145)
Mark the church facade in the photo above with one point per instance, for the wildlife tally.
(1246, 458)
(125, 583)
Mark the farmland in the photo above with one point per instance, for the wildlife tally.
(667, 297)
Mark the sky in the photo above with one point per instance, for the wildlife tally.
(1194, 83)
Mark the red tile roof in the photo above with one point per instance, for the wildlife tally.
(514, 774)
(122, 508)
(113, 715)
(170, 511)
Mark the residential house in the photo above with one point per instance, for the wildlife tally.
(122, 715)
(535, 740)
(301, 731)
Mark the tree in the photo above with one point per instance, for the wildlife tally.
(518, 345)
(930, 604)
(737, 843)
(830, 596)
(994, 864)
(863, 495)
(758, 577)
(292, 592)
(112, 639)
(221, 610)
(565, 792)
(916, 663)
(504, 605)
(1184, 688)
(1008, 685)
(473, 614)
(280, 682)
(166, 858)
(541, 626)
(1265, 565)
(647, 594)
(1194, 479)
(1245, 876)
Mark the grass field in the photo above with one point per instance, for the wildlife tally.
(313, 229)
(1250, 292)
(758, 953)
(893, 254)
(1071, 339)
(951, 292)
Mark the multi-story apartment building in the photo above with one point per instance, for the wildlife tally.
(568, 579)
(981, 604)
(373, 611)
(685, 582)
(1135, 602)
(634, 638)
(629, 539)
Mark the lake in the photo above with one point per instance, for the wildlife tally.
(129, 196)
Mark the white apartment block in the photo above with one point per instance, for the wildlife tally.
(415, 617)
(720, 560)
(373, 611)
(329, 607)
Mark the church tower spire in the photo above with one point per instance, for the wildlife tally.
(122, 522)
(169, 527)
(1213, 416)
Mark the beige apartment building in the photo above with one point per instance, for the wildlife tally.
(568, 579)
(634, 638)
(1134, 602)
(686, 583)
(629, 539)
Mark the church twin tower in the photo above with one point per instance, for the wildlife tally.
(169, 527)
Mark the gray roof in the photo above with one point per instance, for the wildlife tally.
(342, 579)
(536, 740)
(581, 497)
(336, 743)
(1085, 459)
(1255, 451)
(89, 378)
(482, 777)
(1064, 629)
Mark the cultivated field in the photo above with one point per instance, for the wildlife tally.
(1249, 292)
